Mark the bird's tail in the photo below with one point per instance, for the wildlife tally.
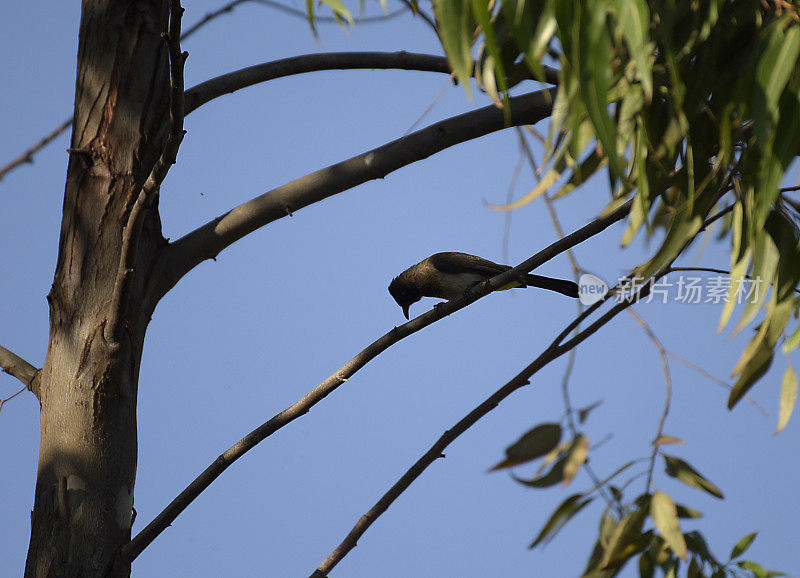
(568, 288)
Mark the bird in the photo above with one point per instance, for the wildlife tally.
(451, 274)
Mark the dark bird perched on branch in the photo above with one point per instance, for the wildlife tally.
(450, 275)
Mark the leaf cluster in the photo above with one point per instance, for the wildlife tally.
(692, 105)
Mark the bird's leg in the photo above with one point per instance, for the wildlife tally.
(468, 292)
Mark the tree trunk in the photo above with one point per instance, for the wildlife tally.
(88, 386)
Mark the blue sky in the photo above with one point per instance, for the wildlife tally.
(241, 338)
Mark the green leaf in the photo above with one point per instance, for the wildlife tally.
(687, 512)
(737, 278)
(753, 367)
(757, 570)
(534, 444)
(541, 188)
(625, 540)
(551, 478)
(647, 568)
(788, 397)
(697, 545)
(584, 412)
(594, 68)
(695, 569)
(634, 24)
(679, 469)
(742, 545)
(563, 514)
(456, 29)
(641, 202)
(582, 173)
(777, 62)
(665, 517)
(340, 11)
(765, 263)
(792, 343)
(665, 439)
(758, 354)
(680, 232)
(575, 459)
(540, 40)
(480, 9)
(310, 9)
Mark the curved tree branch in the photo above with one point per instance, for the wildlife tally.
(302, 406)
(207, 241)
(14, 365)
(238, 79)
(233, 81)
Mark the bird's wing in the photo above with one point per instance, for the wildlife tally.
(453, 262)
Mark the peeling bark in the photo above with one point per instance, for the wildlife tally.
(88, 386)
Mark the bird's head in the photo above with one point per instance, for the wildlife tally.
(404, 294)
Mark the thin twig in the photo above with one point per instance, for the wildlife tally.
(310, 399)
(512, 184)
(9, 398)
(287, 10)
(430, 107)
(130, 240)
(211, 16)
(419, 12)
(576, 270)
(662, 352)
(27, 156)
(715, 379)
(715, 270)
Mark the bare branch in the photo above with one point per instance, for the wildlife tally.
(233, 81)
(27, 156)
(551, 353)
(206, 242)
(130, 239)
(302, 406)
(212, 16)
(206, 91)
(14, 365)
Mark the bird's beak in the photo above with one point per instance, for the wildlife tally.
(405, 311)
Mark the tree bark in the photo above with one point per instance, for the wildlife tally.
(83, 504)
